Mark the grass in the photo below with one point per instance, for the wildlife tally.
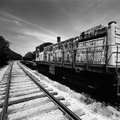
(105, 110)
(100, 107)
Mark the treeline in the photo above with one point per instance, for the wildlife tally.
(6, 54)
(30, 56)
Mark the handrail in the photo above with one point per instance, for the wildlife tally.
(113, 52)
(97, 46)
(116, 31)
(117, 60)
(111, 55)
(116, 45)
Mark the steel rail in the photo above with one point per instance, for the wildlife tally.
(60, 105)
(5, 104)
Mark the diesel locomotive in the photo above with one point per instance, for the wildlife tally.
(91, 58)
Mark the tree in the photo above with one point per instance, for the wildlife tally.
(28, 56)
(33, 55)
(6, 54)
(4, 44)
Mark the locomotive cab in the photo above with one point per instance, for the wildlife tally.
(113, 58)
(113, 44)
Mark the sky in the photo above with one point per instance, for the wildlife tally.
(29, 23)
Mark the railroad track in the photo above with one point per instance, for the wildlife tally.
(23, 97)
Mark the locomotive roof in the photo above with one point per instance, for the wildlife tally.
(96, 28)
(68, 40)
(44, 44)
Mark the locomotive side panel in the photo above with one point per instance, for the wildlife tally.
(68, 49)
(51, 53)
(41, 56)
(92, 51)
(59, 54)
(46, 54)
(40, 51)
(100, 51)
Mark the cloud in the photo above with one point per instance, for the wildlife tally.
(13, 19)
(25, 28)
(24, 34)
(39, 35)
(40, 23)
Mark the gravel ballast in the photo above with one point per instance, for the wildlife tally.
(35, 109)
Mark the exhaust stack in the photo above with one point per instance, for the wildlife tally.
(58, 39)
